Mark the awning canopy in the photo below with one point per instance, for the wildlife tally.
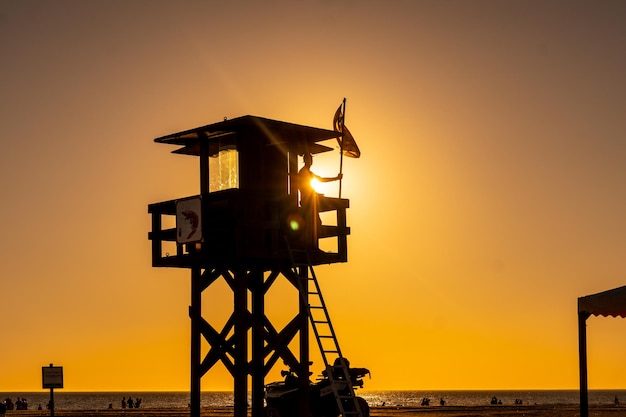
(606, 303)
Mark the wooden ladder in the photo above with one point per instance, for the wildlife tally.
(338, 372)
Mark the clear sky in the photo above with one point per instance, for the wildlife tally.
(490, 194)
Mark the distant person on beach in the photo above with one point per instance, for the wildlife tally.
(442, 402)
(130, 402)
(123, 402)
(616, 400)
(21, 404)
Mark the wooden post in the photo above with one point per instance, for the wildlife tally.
(194, 313)
(204, 164)
(304, 406)
(240, 290)
(51, 402)
(258, 342)
(582, 359)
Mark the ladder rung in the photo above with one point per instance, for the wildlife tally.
(326, 337)
(318, 307)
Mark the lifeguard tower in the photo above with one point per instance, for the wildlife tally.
(246, 227)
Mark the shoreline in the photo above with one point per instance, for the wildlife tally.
(548, 410)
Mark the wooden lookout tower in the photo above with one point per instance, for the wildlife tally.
(247, 227)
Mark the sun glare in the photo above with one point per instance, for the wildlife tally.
(318, 186)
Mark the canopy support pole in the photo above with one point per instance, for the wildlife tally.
(582, 362)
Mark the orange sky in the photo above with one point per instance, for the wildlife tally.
(489, 196)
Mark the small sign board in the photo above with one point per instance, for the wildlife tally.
(52, 376)
(189, 220)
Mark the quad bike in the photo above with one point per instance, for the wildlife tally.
(282, 397)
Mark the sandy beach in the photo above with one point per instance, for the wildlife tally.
(434, 411)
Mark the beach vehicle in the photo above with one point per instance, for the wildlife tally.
(282, 397)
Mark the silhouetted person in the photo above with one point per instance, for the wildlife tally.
(305, 176)
(123, 402)
(21, 404)
(130, 402)
(309, 197)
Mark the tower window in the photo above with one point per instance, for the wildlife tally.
(224, 168)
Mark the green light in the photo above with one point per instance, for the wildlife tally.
(294, 225)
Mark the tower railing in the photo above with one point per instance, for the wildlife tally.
(247, 228)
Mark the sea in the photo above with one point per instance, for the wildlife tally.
(102, 400)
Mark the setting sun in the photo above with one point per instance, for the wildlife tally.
(319, 187)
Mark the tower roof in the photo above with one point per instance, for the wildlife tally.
(294, 137)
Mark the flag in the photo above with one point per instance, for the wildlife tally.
(346, 140)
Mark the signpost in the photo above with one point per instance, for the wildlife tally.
(52, 377)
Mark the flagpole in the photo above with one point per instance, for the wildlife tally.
(343, 119)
